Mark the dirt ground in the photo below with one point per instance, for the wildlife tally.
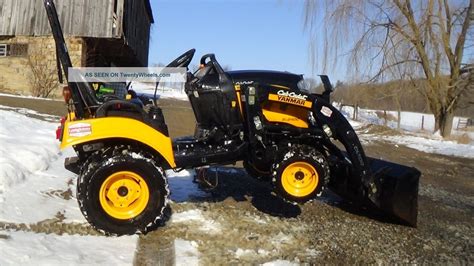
(250, 225)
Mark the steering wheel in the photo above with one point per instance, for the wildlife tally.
(183, 60)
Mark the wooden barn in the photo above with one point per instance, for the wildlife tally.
(98, 33)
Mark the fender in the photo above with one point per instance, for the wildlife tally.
(82, 131)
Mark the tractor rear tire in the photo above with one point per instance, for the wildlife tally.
(301, 175)
(124, 193)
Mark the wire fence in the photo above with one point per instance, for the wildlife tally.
(401, 120)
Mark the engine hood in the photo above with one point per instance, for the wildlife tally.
(248, 77)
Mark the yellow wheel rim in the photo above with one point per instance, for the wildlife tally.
(299, 179)
(124, 195)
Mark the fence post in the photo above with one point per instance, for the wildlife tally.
(399, 118)
(422, 122)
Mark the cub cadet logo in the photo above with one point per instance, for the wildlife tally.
(292, 94)
(291, 98)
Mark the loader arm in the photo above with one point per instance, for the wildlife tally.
(391, 187)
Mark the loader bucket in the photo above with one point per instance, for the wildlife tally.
(396, 190)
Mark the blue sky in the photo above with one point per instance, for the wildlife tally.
(244, 34)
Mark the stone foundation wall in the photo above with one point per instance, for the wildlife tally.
(16, 72)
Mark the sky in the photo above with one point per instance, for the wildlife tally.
(243, 34)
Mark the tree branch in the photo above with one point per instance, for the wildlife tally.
(458, 51)
(385, 68)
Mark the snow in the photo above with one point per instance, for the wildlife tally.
(186, 252)
(26, 248)
(32, 178)
(31, 113)
(411, 134)
(205, 225)
(162, 92)
(438, 146)
(20, 153)
(185, 216)
(37, 197)
(250, 253)
(32, 174)
(279, 263)
(244, 253)
(281, 238)
(409, 121)
(259, 220)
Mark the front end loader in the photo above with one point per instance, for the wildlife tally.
(293, 139)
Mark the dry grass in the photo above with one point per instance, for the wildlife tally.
(386, 116)
(461, 139)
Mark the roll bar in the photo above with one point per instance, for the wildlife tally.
(82, 93)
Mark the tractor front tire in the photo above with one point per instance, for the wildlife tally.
(124, 193)
(301, 174)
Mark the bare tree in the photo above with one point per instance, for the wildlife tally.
(159, 64)
(390, 39)
(43, 79)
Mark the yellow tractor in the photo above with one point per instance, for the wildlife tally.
(282, 133)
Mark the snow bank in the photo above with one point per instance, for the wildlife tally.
(42, 195)
(26, 145)
(32, 174)
(438, 146)
(35, 187)
(25, 248)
